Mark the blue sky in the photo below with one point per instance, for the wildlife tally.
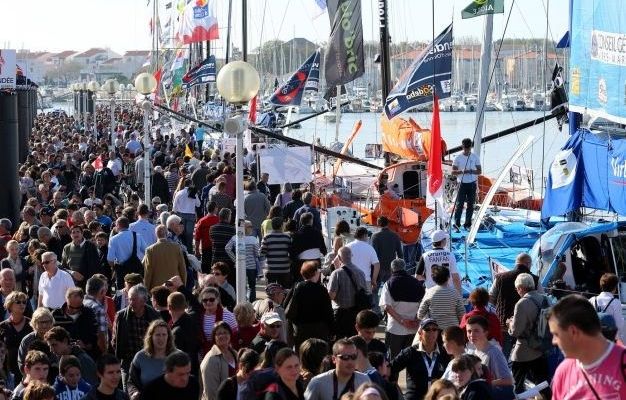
(123, 24)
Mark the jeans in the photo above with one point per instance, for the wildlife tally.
(251, 276)
(537, 369)
(467, 194)
(396, 343)
(507, 343)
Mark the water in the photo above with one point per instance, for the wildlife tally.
(455, 127)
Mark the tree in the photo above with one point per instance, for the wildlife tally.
(64, 73)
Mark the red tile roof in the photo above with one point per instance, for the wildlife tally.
(91, 52)
(111, 61)
(64, 54)
(131, 53)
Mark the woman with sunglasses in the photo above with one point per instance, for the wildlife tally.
(149, 362)
(211, 314)
(220, 363)
(41, 322)
(289, 385)
(14, 329)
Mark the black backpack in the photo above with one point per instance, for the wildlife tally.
(132, 265)
(362, 300)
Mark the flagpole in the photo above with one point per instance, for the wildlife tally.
(244, 29)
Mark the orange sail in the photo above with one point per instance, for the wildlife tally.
(404, 138)
(355, 130)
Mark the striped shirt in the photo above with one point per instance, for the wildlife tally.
(275, 249)
(444, 304)
(172, 180)
(220, 234)
(208, 322)
(252, 250)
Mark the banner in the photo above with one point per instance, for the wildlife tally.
(344, 59)
(8, 69)
(314, 76)
(598, 59)
(204, 72)
(290, 94)
(430, 72)
(198, 22)
(482, 7)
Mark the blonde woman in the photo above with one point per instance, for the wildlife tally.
(149, 362)
(41, 322)
(14, 329)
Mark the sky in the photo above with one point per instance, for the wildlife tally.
(123, 25)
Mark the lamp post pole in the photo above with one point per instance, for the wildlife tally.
(147, 107)
(238, 82)
(112, 107)
(145, 84)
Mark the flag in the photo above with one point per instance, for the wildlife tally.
(290, 94)
(168, 5)
(314, 76)
(97, 163)
(482, 7)
(252, 110)
(344, 59)
(422, 78)
(434, 194)
(201, 73)
(198, 22)
(188, 151)
(496, 268)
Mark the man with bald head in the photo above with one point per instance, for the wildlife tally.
(342, 288)
(7, 285)
(504, 295)
(163, 260)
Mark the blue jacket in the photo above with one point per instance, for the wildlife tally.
(65, 392)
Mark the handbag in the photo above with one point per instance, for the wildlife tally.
(362, 300)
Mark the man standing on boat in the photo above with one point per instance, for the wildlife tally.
(467, 165)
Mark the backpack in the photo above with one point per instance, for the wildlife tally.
(362, 300)
(605, 318)
(541, 337)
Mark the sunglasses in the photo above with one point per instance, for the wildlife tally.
(20, 302)
(209, 300)
(431, 329)
(276, 326)
(48, 261)
(347, 357)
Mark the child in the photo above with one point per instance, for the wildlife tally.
(36, 366)
(366, 323)
(69, 385)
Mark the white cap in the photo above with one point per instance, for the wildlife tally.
(438, 236)
(270, 317)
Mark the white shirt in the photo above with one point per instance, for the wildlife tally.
(184, 204)
(406, 309)
(53, 289)
(363, 256)
(601, 301)
(467, 163)
(115, 166)
(440, 257)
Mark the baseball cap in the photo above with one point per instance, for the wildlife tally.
(270, 317)
(438, 236)
(428, 321)
(274, 288)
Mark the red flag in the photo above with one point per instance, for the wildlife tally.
(434, 195)
(97, 163)
(252, 111)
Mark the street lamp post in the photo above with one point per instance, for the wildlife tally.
(238, 82)
(83, 94)
(110, 86)
(145, 84)
(93, 87)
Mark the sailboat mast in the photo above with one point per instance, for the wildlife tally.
(385, 67)
(230, 14)
(244, 29)
(483, 88)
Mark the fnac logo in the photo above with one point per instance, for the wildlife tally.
(201, 3)
(480, 3)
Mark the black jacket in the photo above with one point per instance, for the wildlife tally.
(93, 395)
(160, 188)
(307, 238)
(504, 295)
(413, 361)
(84, 328)
(187, 338)
(120, 332)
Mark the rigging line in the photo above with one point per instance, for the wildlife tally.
(280, 27)
(545, 94)
(261, 41)
(482, 106)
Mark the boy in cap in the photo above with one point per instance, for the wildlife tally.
(438, 255)
(273, 303)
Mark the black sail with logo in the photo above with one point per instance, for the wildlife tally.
(344, 60)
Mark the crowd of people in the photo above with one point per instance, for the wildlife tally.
(104, 297)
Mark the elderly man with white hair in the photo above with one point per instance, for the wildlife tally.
(131, 324)
(53, 283)
(342, 288)
(527, 358)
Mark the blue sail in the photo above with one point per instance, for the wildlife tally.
(205, 72)
(314, 76)
(290, 94)
(431, 71)
(598, 59)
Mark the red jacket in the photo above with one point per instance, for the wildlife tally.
(495, 331)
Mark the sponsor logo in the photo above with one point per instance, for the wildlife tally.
(424, 90)
(201, 12)
(608, 47)
(603, 96)
(575, 82)
(618, 166)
